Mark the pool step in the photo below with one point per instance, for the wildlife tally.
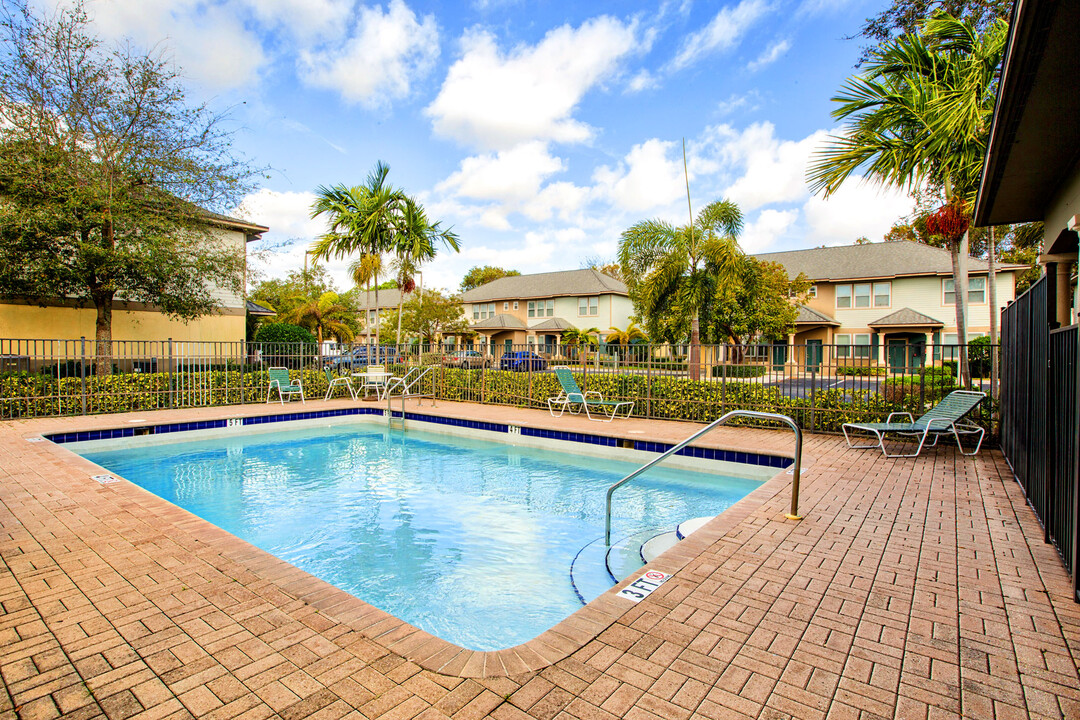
(688, 526)
(651, 548)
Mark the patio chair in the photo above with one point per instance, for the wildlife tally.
(573, 399)
(942, 419)
(374, 377)
(335, 381)
(279, 379)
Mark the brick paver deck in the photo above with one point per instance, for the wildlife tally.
(912, 589)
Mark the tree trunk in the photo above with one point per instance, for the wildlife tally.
(367, 318)
(695, 347)
(376, 315)
(400, 308)
(992, 299)
(103, 334)
(960, 283)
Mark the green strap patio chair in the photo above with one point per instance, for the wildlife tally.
(573, 399)
(279, 379)
(335, 381)
(942, 419)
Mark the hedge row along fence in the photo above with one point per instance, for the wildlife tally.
(821, 407)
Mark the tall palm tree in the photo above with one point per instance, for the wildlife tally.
(676, 269)
(625, 337)
(919, 118)
(365, 270)
(414, 243)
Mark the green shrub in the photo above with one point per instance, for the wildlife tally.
(284, 333)
(738, 371)
(865, 370)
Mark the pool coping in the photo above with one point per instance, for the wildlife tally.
(391, 633)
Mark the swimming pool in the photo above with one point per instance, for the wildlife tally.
(470, 540)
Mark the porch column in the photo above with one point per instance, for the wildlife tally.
(791, 349)
(1064, 294)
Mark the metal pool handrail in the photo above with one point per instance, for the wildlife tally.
(793, 515)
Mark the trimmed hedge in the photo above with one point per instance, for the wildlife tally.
(739, 371)
(865, 370)
(35, 395)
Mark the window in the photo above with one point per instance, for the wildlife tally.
(483, 311)
(843, 296)
(515, 304)
(532, 308)
(506, 306)
(882, 294)
(372, 316)
(550, 308)
(862, 345)
(862, 295)
(588, 305)
(976, 291)
(843, 345)
(812, 292)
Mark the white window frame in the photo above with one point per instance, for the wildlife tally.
(550, 308)
(861, 348)
(812, 292)
(869, 295)
(849, 296)
(888, 294)
(532, 308)
(947, 289)
(515, 304)
(588, 306)
(843, 345)
(506, 305)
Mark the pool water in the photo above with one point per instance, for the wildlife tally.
(469, 540)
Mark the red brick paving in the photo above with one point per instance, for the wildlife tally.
(910, 590)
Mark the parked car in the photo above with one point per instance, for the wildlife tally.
(467, 359)
(356, 358)
(522, 360)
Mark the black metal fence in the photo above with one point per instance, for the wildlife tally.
(821, 386)
(1039, 415)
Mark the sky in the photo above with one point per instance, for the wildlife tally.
(538, 130)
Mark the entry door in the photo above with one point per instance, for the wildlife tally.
(897, 356)
(508, 344)
(814, 354)
(779, 356)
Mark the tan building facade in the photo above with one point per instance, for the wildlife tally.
(63, 319)
(534, 311)
(886, 303)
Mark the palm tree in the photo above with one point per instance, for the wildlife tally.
(414, 243)
(574, 337)
(676, 269)
(919, 118)
(625, 337)
(323, 314)
(365, 270)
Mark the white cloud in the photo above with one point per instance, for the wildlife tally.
(495, 100)
(771, 55)
(287, 214)
(645, 180)
(209, 43)
(385, 53)
(859, 208)
(763, 232)
(722, 33)
(303, 18)
(643, 80)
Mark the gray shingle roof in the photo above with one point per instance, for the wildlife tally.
(555, 323)
(551, 284)
(499, 322)
(256, 309)
(872, 260)
(906, 316)
(388, 298)
(808, 316)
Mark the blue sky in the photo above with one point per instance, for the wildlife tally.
(538, 130)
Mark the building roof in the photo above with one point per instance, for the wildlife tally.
(542, 285)
(555, 323)
(256, 309)
(872, 260)
(1036, 128)
(499, 322)
(252, 230)
(388, 298)
(906, 317)
(809, 316)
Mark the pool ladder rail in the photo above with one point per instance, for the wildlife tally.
(776, 417)
(406, 384)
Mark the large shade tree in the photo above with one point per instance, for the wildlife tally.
(675, 269)
(918, 118)
(107, 175)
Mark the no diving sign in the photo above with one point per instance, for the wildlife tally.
(644, 585)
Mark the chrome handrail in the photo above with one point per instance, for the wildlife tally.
(405, 394)
(793, 515)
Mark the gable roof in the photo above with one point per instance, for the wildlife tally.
(499, 322)
(906, 316)
(554, 323)
(388, 298)
(542, 285)
(809, 316)
(256, 309)
(873, 260)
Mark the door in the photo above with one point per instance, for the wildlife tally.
(779, 357)
(508, 346)
(814, 355)
(897, 352)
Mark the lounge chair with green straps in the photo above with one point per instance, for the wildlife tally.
(573, 399)
(942, 419)
(335, 381)
(279, 380)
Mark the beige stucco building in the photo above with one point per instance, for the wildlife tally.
(885, 303)
(63, 319)
(535, 310)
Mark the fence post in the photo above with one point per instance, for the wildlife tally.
(82, 371)
(172, 394)
(243, 363)
(813, 397)
(648, 382)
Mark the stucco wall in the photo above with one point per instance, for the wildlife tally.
(32, 322)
